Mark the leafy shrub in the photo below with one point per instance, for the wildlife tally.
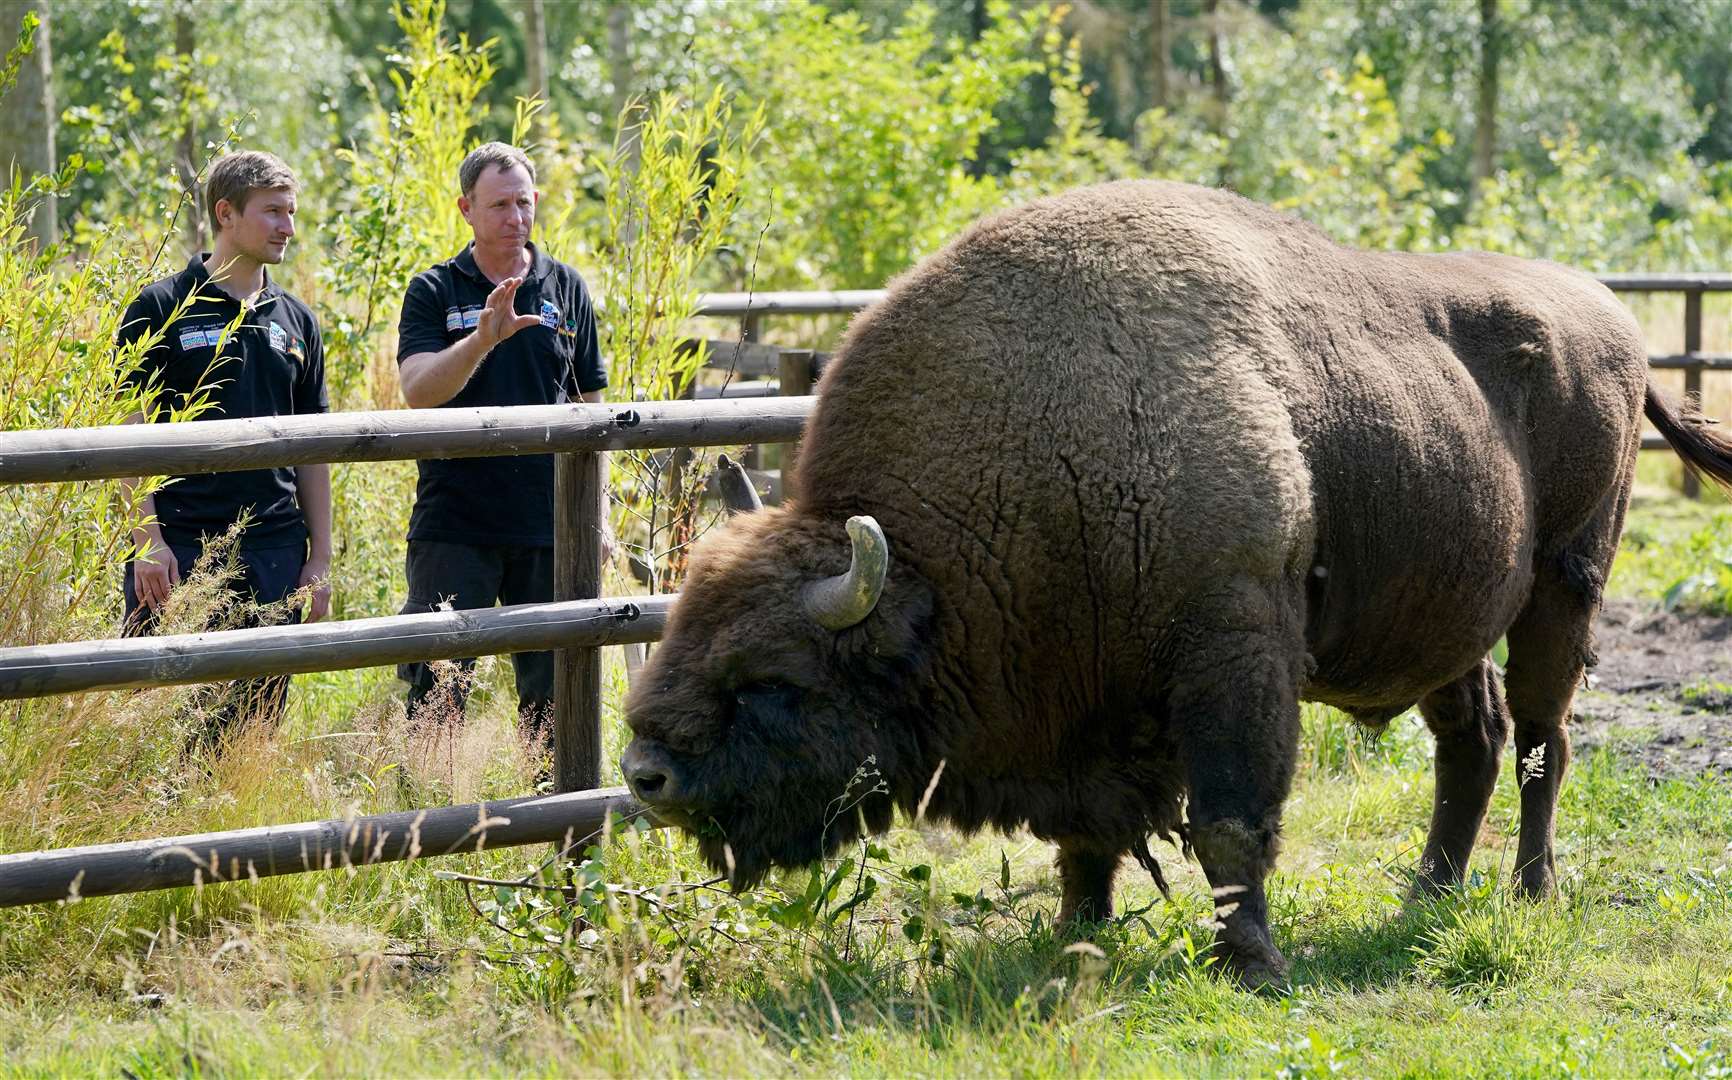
(871, 164)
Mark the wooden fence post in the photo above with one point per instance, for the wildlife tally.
(796, 379)
(750, 328)
(1693, 373)
(579, 516)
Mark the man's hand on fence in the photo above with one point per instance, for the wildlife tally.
(317, 576)
(499, 319)
(154, 573)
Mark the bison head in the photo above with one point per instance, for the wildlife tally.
(777, 703)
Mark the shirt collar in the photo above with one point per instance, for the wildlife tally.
(198, 277)
(539, 264)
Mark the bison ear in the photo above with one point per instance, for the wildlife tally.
(845, 600)
(738, 495)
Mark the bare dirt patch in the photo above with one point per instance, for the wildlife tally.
(1662, 691)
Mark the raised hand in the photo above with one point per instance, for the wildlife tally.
(499, 320)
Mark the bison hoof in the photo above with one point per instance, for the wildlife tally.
(1256, 966)
(1537, 882)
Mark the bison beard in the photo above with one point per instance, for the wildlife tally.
(1127, 474)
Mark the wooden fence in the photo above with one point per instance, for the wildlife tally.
(575, 625)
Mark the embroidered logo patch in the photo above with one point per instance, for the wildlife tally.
(464, 318)
(279, 338)
(549, 315)
(199, 337)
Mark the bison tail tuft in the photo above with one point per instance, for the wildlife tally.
(1703, 450)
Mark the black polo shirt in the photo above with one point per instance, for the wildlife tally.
(499, 500)
(265, 361)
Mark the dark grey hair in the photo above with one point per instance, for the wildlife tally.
(236, 176)
(503, 155)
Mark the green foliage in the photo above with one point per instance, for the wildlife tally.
(1334, 744)
(1488, 939)
(871, 166)
(673, 191)
(1679, 556)
(401, 215)
(25, 46)
(1077, 151)
(1362, 183)
(134, 99)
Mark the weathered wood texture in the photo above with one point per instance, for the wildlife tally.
(796, 381)
(1641, 282)
(750, 304)
(244, 854)
(745, 359)
(265, 442)
(1692, 374)
(580, 513)
(170, 660)
(750, 359)
(760, 388)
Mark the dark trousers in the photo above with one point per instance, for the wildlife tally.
(479, 576)
(267, 576)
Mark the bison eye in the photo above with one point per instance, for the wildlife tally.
(748, 693)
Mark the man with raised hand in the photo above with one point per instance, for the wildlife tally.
(222, 328)
(499, 324)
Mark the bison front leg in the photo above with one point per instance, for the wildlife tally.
(1239, 714)
(1087, 878)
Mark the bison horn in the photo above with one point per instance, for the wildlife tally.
(842, 601)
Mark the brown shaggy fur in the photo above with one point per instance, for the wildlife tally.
(1155, 463)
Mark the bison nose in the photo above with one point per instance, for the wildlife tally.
(650, 774)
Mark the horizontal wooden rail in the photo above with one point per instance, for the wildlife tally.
(1696, 361)
(818, 302)
(179, 659)
(1674, 282)
(244, 854)
(761, 388)
(28, 457)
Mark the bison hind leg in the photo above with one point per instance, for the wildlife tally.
(1470, 722)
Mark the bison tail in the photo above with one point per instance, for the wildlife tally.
(1687, 431)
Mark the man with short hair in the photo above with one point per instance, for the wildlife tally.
(224, 328)
(499, 324)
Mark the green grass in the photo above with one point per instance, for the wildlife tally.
(1675, 551)
(390, 971)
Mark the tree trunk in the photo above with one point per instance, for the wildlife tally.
(27, 111)
(975, 166)
(1160, 49)
(624, 78)
(535, 53)
(192, 225)
(1217, 63)
(1485, 101)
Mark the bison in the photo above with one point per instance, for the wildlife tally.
(1102, 490)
